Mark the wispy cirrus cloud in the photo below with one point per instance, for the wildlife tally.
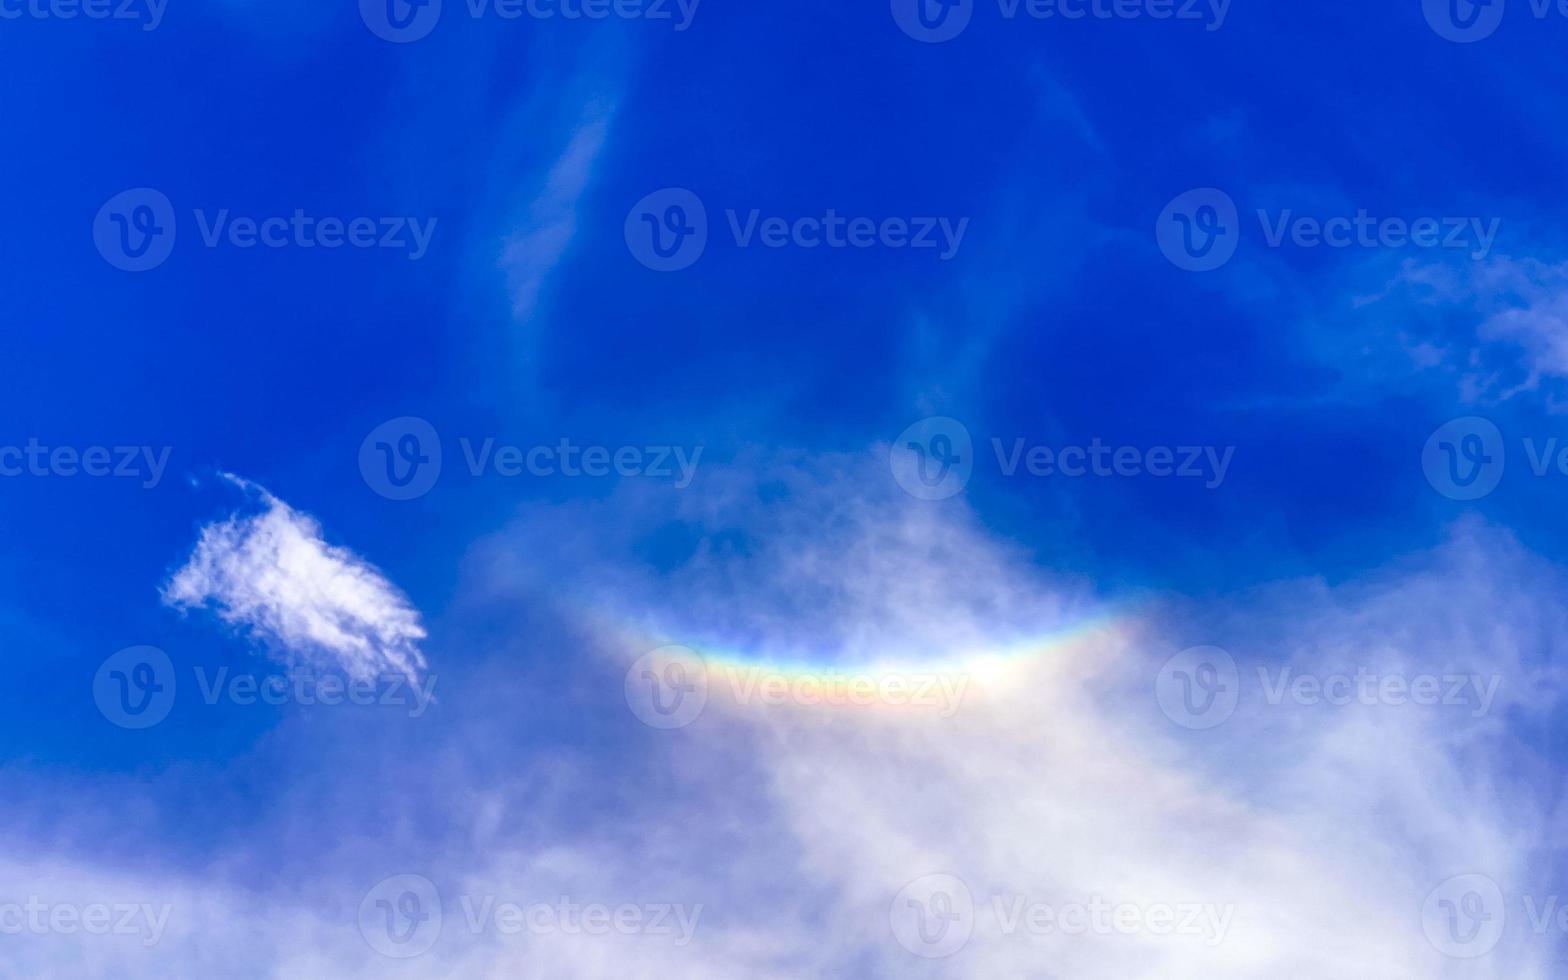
(1487, 331)
(272, 575)
(538, 244)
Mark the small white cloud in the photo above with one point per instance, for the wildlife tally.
(272, 575)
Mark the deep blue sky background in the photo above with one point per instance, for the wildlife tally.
(1058, 321)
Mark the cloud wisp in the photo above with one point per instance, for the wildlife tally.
(272, 575)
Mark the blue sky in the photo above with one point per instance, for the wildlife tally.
(262, 262)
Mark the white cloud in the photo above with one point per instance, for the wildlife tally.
(1498, 327)
(1321, 829)
(536, 247)
(271, 574)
